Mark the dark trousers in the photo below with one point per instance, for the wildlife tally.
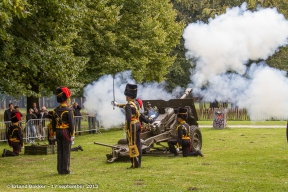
(135, 131)
(77, 123)
(171, 144)
(16, 149)
(186, 147)
(92, 124)
(63, 150)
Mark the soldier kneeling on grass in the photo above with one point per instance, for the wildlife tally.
(15, 138)
(183, 139)
(52, 134)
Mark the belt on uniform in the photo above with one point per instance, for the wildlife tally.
(62, 127)
(185, 137)
(14, 140)
(133, 121)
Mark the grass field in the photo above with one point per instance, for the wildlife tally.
(235, 160)
(246, 123)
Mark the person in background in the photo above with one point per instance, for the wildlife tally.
(35, 109)
(41, 116)
(36, 122)
(15, 136)
(77, 116)
(7, 119)
(92, 123)
(30, 118)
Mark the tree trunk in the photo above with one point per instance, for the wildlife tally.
(32, 99)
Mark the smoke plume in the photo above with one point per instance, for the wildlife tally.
(226, 44)
(99, 95)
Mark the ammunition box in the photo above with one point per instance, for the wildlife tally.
(40, 149)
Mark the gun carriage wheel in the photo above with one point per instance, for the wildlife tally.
(196, 137)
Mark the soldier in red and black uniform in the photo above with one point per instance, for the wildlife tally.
(132, 124)
(183, 140)
(62, 124)
(15, 136)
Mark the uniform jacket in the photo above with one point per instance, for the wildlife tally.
(63, 119)
(15, 134)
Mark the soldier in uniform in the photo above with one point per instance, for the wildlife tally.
(52, 134)
(132, 124)
(62, 124)
(14, 135)
(183, 140)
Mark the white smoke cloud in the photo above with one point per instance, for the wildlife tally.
(267, 93)
(227, 43)
(231, 39)
(99, 94)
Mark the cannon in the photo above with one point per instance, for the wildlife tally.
(156, 134)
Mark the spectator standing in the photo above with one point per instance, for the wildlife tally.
(36, 123)
(30, 118)
(7, 119)
(41, 116)
(92, 123)
(35, 109)
(77, 117)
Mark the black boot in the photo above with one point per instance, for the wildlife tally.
(199, 153)
(4, 153)
(10, 153)
(80, 147)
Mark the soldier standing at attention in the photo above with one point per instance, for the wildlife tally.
(14, 135)
(183, 140)
(62, 124)
(132, 125)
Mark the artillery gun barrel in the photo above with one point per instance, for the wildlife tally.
(106, 145)
(171, 114)
(188, 91)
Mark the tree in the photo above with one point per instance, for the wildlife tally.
(39, 57)
(131, 35)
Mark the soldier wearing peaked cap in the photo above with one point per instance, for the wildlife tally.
(62, 124)
(183, 140)
(132, 125)
(14, 135)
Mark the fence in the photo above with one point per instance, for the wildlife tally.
(37, 128)
(232, 114)
(206, 114)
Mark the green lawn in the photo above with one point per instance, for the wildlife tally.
(235, 160)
